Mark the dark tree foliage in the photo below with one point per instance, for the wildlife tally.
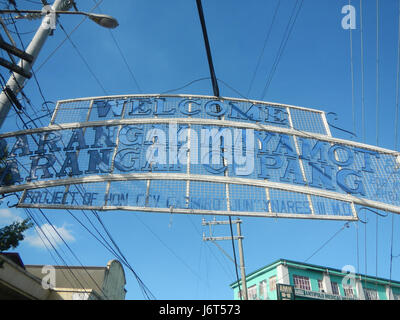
(11, 235)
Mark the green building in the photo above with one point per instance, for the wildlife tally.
(285, 279)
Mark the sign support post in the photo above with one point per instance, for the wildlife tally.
(17, 81)
(239, 237)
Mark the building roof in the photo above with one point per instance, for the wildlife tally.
(78, 277)
(315, 268)
(14, 257)
(19, 281)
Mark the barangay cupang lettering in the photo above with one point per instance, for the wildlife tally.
(194, 154)
(256, 154)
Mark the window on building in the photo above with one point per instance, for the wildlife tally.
(348, 292)
(321, 286)
(396, 296)
(301, 282)
(371, 294)
(335, 288)
(263, 289)
(272, 283)
(252, 292)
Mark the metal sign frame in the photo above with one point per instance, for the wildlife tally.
(187, 120)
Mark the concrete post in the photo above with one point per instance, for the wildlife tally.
(16, 81)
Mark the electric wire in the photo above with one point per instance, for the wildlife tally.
(346, 225)
(286, 275)
(72, 252)
(103, 242)
(122, 55)
(83, 59)
(22, 61)
(396, 129)
(377, 120)
(377, 73)
(66, 38)
(289, 28)
(45, 99)
(234, 257)
(168, 248)
(54, 246)
(103, 225)
(147, 293)
(186, 85)
(397, 84)
(143, 287)
(46, 245)
(391, 250)
(208, 49)
(209, 247)
(362, 72)
(56, 250)
(63, 240)
(40, 229)
(365, 246)
(263, 48)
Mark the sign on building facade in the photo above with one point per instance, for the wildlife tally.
(196, 155)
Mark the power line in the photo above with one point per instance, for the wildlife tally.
(352, 78)
(396, 119)
(72, 252)
(186, 85)
(208, 50)
(142, 284)
(234, 256)
(168, 247)
(39, 232)
(143, 287)
(56, 231)
(289, 28)
(362, 73)
(55, 250)
(23, 47)
(122, 55)
(377, 73)
(63, 240)
(263, 48)
(84, 60)
(346, 225)
(66, 38)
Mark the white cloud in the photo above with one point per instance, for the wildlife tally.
(8, 216)
(47, 233)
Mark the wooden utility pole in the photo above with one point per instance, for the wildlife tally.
(239, 238)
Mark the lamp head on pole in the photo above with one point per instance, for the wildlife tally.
(103, 20)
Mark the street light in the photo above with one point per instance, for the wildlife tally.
(16, 81)
(103, 20)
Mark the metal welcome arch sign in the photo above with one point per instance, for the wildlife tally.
(196, 155)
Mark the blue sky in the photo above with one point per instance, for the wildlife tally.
(163, 45)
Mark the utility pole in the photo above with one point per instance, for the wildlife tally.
(17, 81)
(239, 238)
